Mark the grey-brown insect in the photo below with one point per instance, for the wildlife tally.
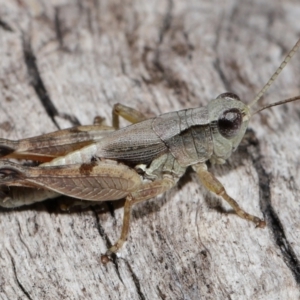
(138, 162)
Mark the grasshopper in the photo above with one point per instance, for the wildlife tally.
(137, 162)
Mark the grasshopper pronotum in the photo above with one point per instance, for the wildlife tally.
(138, 162)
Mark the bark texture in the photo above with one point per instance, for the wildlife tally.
(63, 62)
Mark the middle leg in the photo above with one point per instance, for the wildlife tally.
(147, 191)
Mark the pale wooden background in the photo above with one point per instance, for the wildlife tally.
(71, 60)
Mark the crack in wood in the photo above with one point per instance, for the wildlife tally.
(36, 80)
(217, 67)
(5, 26)
(58, 27)
(16, 276)
(108, 244)
(273, 221)
(166, 25)
(136, 282)
(39, 86)
(101, 229)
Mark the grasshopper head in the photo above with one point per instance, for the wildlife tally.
(229, 118)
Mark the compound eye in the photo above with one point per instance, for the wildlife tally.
(230, 122)
(229, 96)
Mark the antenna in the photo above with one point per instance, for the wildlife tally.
(274, 76)
(278, 103)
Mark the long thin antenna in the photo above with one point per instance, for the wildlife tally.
(274, 76)
(278, 103)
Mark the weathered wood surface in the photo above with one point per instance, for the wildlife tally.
(64, 60)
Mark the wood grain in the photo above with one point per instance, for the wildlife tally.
(64, 62)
